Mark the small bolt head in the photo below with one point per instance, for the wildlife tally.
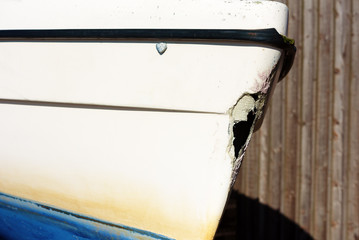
(161, 47)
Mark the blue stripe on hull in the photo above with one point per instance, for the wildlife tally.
(27, 220)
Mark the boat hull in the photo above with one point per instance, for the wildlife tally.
(120, 134)
(43, 222)
(146, 169)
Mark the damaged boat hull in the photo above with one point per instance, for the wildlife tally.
(138, 136)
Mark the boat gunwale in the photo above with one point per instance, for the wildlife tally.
(268, 37)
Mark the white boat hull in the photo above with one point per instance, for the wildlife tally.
(117, 131)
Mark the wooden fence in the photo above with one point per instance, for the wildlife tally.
(304, 162)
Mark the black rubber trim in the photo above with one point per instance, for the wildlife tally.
(262, 37)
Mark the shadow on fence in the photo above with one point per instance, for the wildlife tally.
(247, 219)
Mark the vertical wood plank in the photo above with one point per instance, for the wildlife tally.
(292, 135)
(352, 204)
(276, 147)
(341, 74)
(323, 123)
(263, 189)
(252, 185)
(274, 161)
(263, 160)
(308, 96)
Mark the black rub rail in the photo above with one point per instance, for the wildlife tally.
(258, 37)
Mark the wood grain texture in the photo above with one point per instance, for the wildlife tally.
(339, 117)
(292, 116)
(308, 110)
(352, 175)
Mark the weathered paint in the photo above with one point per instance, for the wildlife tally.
(247, 115)
(243, 118)
(40, 221)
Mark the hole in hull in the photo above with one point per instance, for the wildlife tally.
(241, 131)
